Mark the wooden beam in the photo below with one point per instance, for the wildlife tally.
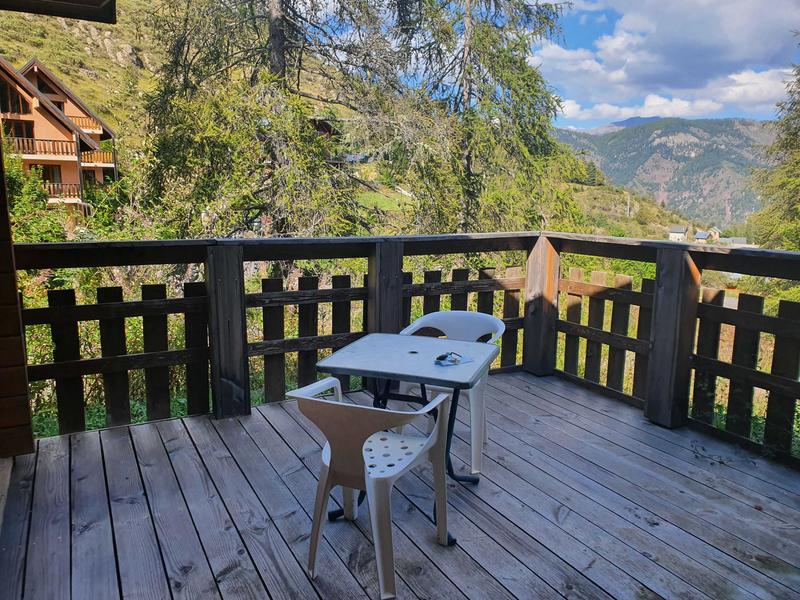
(673, 326)
(101, 11)
(230, 380)
(541, 308)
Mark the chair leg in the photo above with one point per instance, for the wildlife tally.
(477, 425)
(440, 498)
(380, 515)
(350, 504)
(320, 507)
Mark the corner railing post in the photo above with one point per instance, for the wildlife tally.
(230, 382)
(385, 293)
(541, 308)
(677, 292)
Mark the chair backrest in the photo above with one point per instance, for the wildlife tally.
(461, 325)
(347, 426)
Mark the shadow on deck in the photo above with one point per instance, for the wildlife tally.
(580, 497)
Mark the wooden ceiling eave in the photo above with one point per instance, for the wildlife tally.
(101, 11)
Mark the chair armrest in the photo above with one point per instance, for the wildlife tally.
(413, 328)
(317, 388)
(433, 404)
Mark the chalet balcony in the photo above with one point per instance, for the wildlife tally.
(87, 124)
(62, 191)
(100, 158)
(42, 148)
(630, 452)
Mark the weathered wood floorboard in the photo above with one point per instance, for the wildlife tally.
(580, 497)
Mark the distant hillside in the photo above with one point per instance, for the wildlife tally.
(106, 65)
(613, 211)
(700, 168)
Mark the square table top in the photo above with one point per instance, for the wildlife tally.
(411, 358)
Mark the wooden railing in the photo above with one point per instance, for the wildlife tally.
(62, 190)
(44, 147)
(635, 339)
(97, 157)
(86, 123)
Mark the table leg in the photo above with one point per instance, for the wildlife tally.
(450, 426)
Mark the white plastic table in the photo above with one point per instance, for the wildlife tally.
(392, 357)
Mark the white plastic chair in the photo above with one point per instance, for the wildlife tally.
(464, 326)
(361, 455)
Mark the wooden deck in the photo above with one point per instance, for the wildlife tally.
(580, 497)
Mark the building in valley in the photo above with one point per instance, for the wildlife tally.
(49, 127)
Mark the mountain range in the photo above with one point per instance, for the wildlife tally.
(699, 167)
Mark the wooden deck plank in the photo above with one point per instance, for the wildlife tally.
(554, 446)
(47, 571)
(283, 575)
(334, 579)
(745, 521)
(413, 568)
(704, 445)
(506, 450)
(141, 571)
(184, 560)
(622, 431)
(14, 524)
(505, 425)
(233, 570)
(94, 568)
(679, 460)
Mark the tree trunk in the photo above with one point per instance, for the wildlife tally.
(277, 39)
(470, 192)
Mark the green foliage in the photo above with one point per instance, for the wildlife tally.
(778, 224)
(31, 219)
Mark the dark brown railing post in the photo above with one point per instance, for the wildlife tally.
(541, 308)
(677, 292)
(385, 287)
(230, 381)
(16, 431)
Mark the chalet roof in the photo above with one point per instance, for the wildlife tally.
(35, 63)
(678, 229)
(9, 71)
(702, 235)
(103, 11)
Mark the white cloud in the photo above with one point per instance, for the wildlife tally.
(653, 105)
(709, 53)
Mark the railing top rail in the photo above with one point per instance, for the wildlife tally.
(751, 261)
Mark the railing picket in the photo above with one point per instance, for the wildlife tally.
(66, 346)
(643, 328)
(432, 303)
(459, 301)
(408, 279)
(785, 363)
(574, 305)
(620, 321)
(511, 304)
(275, 364)
(485, 302)
(341, 317)
(739, 415)
(308, 323)
(112, 343)
(704, 393)
(196, 336)
(156, 379)
(594, 350)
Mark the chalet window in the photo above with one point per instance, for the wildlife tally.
(89, 177)
(59, 105)
(50, 173)
(11, 101)
(17, 128)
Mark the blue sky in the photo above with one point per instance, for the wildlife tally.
(681, 58)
